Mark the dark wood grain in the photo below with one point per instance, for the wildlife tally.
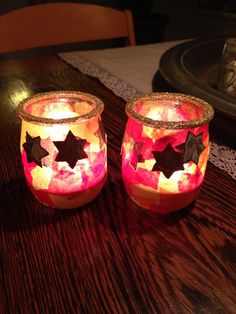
(109, 256)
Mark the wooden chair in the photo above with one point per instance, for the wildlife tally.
(54, 24)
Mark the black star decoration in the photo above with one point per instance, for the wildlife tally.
(34, 151)
(168, 161)
(71, 149)
(192, 148)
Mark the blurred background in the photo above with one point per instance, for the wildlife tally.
(162, 20)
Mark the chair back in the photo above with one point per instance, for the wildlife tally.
(63, 23)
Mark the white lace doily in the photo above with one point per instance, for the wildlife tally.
(224, 158)
(128, 72)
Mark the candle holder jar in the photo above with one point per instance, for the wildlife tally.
(227, 69)
(165, 150)
(63, 147)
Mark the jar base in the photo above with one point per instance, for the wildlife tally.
(162, 202)
(68, 200)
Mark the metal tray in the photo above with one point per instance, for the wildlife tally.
(192, 68)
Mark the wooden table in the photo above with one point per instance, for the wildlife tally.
(109, 256)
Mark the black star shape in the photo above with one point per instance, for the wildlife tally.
(168, 161)
(137, 154)
(34, 151)
(193, 147)
(71, 149)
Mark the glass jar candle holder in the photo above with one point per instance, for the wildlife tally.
(165, 150)
(63, 147)
(227, 69)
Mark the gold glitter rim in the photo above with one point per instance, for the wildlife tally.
(205, 118)
(98, 109)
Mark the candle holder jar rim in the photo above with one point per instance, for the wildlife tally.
(97, 110)
(161, 124)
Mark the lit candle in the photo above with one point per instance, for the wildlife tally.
(63, 147)
(165, 150)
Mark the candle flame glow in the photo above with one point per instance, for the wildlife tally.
(154, 114)
(60, 112)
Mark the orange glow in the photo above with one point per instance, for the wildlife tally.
(65, 164)
(163, 168)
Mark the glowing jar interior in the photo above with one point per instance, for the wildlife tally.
(165, 150)
(63, 147)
